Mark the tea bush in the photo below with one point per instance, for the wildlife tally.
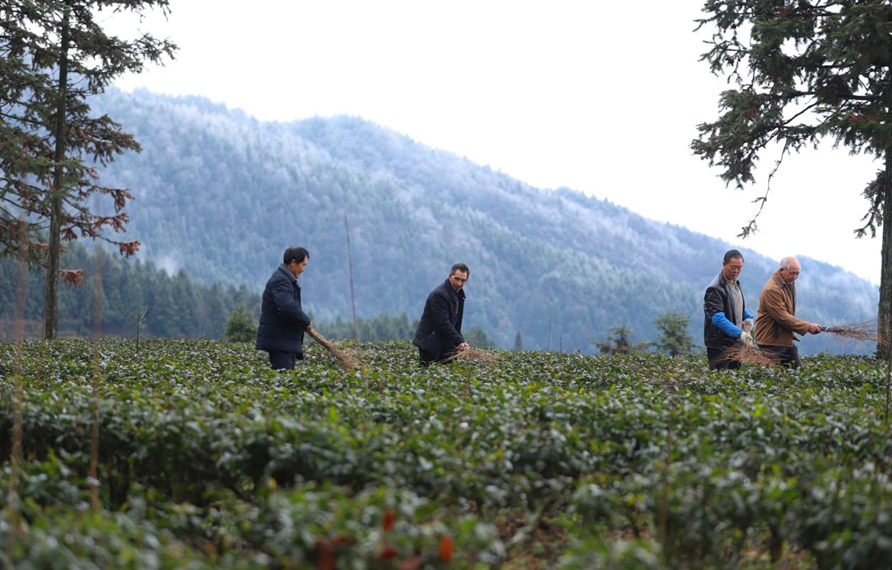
(207, 459)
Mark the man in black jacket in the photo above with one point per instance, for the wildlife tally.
(725, 312)
(439, 331)
(282, 322)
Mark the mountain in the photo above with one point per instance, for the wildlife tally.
(222, 194)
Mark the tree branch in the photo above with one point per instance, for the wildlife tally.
(751, 227)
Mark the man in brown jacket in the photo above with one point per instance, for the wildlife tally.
(776, 321)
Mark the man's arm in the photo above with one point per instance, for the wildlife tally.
(282, 291)
(773, 303)
(440, 314)
(715, 308)
(730, 329)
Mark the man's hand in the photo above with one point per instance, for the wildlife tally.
(746, 340)
(463, 346)
(814, 328)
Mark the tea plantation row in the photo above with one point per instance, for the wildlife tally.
(209, 460)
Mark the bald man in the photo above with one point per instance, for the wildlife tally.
(776, 322)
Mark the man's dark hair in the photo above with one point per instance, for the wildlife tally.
(732, 254)
(459, 267)
(297, 254)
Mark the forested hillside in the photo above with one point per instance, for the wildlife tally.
(182, 308)
(221, 195)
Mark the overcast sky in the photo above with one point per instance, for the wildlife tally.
(601, 97)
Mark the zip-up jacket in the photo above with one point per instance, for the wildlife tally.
(719, 330)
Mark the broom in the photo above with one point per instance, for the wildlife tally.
(473, 354)
(348, 362)
(866, 330)
(749, 354)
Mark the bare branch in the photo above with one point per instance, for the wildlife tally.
(751, 227)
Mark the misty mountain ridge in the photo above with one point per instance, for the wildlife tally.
(222, 194)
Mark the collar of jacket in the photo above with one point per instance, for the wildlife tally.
(459, 295)
(284, 269)
(725, 283)
(779, 281)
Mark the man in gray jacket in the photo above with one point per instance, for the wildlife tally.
(725, 314)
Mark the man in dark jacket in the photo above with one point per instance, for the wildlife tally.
(725, 312)
(282, 322)
(439, 331)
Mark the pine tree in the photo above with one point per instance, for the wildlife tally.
(804, 70)
(56, 55)
(619, 341)
(241, 325)
(674, 338)
(518, 342)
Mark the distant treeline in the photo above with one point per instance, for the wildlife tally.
(387, 327)
(382, 327)
(183, 308)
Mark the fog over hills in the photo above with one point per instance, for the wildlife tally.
(221, 194)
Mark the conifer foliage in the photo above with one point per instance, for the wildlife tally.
(619, 341)
(803, 70)
(182, 307)
(241, 326)
(674, 338)
(55, 55)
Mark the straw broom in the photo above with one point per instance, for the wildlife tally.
(866, 330)
(348, 362)
(749, 354)
(473, 354)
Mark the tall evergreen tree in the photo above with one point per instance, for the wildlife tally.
(185, 322)
(804, 70)
(55, 56)
(518, 342)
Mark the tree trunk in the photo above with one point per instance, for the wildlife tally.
(884, 317)
(51, 301)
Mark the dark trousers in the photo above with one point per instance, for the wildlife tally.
(789, 355)
(428, 357)
(283, 360)
(715, 358)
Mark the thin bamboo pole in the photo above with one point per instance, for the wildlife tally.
(350, 264)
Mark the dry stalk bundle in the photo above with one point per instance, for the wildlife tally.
(750, 355)
(474, 354)
(347, 361)
(866, 330)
